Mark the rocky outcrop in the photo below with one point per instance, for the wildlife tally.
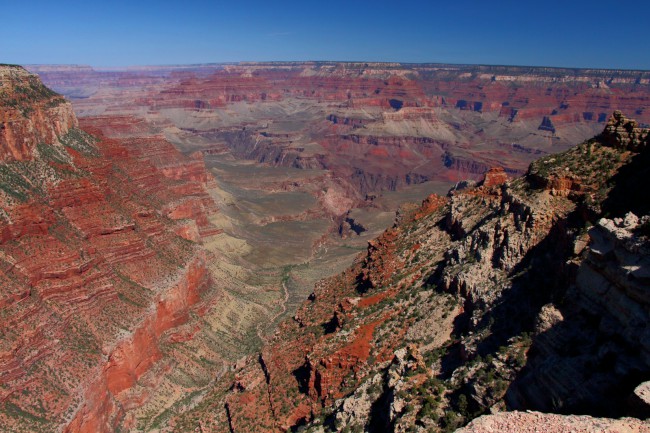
(610, 288)
(525, 422)
(615, 276)
(30, 114)
(625, 133)
(640, 401)
(494, 176)
(490, 299)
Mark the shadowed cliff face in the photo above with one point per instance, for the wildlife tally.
(596, 372)
(496, 297)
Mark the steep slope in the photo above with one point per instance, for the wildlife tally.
(31, 114)
(101, 265)
(122, 298)
(496, 297)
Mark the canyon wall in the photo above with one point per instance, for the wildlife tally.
(31, 114)
(381, 125)
(100, 263)
(491, 298)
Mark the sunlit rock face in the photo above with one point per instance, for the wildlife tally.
(506, 294)
(100, 262)
(378, 126)
(30, 114)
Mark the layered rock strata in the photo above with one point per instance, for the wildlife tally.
(384, 126)
(497, 297)
(30, 113)
(100, 264)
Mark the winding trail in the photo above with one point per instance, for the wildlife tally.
(283, 310)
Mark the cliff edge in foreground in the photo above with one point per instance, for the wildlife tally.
(529, 293)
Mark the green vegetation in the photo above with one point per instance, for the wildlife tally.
(26, 92)
(122, 297)
(27, 418)
(80, 141)
(590, 161)
(22, 179)
(13, 182)
(53, 153)
(55, 102)
(34, 90)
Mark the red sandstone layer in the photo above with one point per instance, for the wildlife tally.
(30, 114)
(99, 262)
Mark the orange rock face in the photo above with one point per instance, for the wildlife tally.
(252, 84)
(495, 176)
(133, 356)
(328, 374)
(430, 205)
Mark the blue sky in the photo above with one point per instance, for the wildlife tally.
(118, 33)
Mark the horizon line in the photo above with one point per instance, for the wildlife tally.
(297, 62)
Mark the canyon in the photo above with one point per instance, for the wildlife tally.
(452, 313)
(380, 126)
(166, 232)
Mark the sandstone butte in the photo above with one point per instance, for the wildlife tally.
(514, 294)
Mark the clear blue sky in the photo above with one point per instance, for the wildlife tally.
(595, 33)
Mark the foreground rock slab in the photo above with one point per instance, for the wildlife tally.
(523, 422)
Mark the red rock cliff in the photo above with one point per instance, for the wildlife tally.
(95, 267)
(30, 114)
